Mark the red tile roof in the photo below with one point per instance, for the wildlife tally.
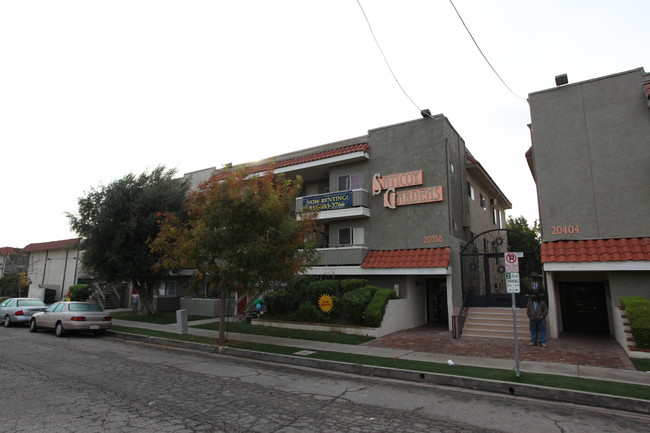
(600, 250)
(415, 258)
(7, 251)
(266, 166)
(53, 245)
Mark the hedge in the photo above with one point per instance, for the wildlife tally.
(373, 315)
(280, 301)
(79, 292)
(637, 309)
(354, 303)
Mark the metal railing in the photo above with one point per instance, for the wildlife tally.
(458, 321)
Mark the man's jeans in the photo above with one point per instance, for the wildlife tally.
(538, 332)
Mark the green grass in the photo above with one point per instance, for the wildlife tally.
(562, 382)
(641, 364)
(164, 318)
(329, 337)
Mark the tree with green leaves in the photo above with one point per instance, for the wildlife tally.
(531, 236)
(239, 234)
(118, 221)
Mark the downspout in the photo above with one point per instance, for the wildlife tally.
(76, 265)
(65, 268)
(47, 252)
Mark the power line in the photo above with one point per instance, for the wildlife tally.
(385, 59)
(481, 51)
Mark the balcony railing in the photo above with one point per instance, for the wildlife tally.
(337, 205)
(341, 256)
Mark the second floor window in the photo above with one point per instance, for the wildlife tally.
(350, 181)
(351, 236)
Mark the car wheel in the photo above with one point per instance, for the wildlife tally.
(7, 321)
(32, 326)
(58, 329)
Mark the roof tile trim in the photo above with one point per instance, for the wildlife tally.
(599, 250)
(412, 258)
(53, 245)
(332, 153)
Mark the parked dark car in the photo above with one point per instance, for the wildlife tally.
(19, 310)
(67, 316)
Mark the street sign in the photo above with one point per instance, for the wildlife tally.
(512, 262)
(512, 282)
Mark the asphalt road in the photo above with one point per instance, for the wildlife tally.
(83, 383)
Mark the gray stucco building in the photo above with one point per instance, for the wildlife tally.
(397, 205)
(590, 158)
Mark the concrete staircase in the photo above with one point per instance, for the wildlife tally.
(495, 322)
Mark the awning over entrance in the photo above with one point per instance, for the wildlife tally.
(413, 258)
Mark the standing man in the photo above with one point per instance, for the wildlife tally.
(537, 312)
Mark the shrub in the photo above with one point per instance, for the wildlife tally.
(353, 303)
(637, 310)
(280, 301)
(299, 283)
(308, 312)
(79, 292)
(316, 289)
(352, 284)
(373, 315)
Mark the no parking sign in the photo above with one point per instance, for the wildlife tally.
(512, 272)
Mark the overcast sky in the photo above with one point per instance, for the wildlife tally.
(90, 90)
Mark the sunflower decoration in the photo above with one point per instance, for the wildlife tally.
(325, 303)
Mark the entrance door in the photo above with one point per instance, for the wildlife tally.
(584, 307)
(437, 301)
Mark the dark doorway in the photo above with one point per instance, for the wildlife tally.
(584, 307)
(437, 302)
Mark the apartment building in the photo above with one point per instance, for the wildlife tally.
(396, 206)
(590, 158)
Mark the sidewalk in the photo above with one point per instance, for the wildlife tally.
(412, 345)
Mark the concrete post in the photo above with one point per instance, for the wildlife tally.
(181, 321)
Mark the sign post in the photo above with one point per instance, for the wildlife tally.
(513, 286)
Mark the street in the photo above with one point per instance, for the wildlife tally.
(82, 383)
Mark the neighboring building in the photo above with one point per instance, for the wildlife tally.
(12, 261)
(397, 206)
(53, 267)
(590, 158)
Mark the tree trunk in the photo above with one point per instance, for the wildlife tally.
(222, 316)
(145, 293)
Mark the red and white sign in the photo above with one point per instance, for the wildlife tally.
(512, 262)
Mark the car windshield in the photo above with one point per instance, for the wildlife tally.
(84, 307)
(29, 303)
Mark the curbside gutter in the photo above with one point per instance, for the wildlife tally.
(497, 387)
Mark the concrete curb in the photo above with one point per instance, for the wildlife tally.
(497, 387)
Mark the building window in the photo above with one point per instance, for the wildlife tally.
(167, 288)
(483, 202)
(351, 236)
(350, 181)
(470, 191)
(451, 166)
(495, 216)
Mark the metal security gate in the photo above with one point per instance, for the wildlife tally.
(483, 268)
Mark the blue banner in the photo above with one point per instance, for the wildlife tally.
(331, 201)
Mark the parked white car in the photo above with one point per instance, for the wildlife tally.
(72, 316)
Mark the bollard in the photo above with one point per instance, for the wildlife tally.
(181, 321)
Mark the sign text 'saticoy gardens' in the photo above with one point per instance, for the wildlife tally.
(393, 198)
(331, 201)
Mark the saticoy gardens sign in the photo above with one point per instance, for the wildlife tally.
(394, 198)
(331, 201)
